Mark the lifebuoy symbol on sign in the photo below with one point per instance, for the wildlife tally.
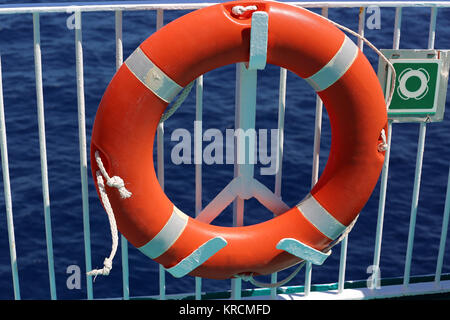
(421, 91)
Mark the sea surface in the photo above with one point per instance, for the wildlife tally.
(61, 125)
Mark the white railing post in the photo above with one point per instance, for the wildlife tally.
(414, 203)
(244, 119)
(123, 240)
(385, 170)
(344, 242)
(7, 193)
(418, 172)
(43, 152)
(160, 163)
(280, 143)
(83, 151)
(198, 165)
(440, 260)
(315, 165)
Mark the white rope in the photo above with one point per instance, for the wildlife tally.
(114, 182)
(383, 146)
(270, 285)
(239, 10)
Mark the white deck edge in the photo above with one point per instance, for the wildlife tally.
(388, 291)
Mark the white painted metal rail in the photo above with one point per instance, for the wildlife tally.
(118, 7)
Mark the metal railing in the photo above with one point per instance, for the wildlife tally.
(118, 7)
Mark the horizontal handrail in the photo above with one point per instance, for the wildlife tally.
(150, 5)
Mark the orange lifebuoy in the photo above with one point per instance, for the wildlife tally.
(204, 40)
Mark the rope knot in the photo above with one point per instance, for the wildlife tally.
(117, 182)
(107, 266)
(114, 182)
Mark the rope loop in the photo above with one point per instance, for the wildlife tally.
(249, 277)
(114, 182)
(239, 10)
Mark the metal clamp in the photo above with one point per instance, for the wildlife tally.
(303, 251)
(258, 41)
(198, 257)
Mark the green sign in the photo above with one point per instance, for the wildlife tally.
(416, 86)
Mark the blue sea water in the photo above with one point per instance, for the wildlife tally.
(59, 75)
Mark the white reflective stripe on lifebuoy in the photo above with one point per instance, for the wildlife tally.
(167, 236)
(151, 76)
(313, 211)
(336, 67)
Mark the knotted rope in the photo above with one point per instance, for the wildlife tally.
(113, 182)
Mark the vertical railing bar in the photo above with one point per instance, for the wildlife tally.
(43, 153)
(82, 145)
(198, 166)
(361, 24)
(414, 203)
(381, 208)
(317, 130)
(308, 271)
(315, 166)
(238, 209)
(440, 260)
(160, 162)
(361, 27)
(123, 240)
(7, 194)
(419, 160)
(385, 170)
(280, 143)
(119, 38)
(238, 203)
(281, 112)
(344, 242)
(342, 264)
(432, 30)
(245, 111)
(397, 28)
